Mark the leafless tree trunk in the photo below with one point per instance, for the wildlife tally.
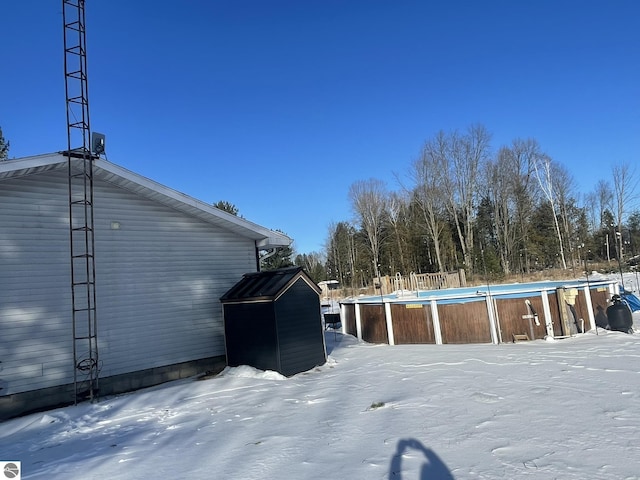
(625, 184)
(368, 201)
(525, 154)
(466, 155)
(604, 198)
(590, 205)
(397, 207)
(427, 173)
(564, 186)
(500, 183)
(543, 173)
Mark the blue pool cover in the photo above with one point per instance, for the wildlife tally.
(632, 300)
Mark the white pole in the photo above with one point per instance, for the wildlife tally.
(548, 321)
(437, 333)
(358, 324)
(592, 318)
(389, 320)
(492, 319)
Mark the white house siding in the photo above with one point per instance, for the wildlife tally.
(35, 350)
(159, 278)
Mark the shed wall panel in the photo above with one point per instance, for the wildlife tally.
(299, 325)
(251, 337)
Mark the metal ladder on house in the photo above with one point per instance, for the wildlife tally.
(81, 218)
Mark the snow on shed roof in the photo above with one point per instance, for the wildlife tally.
(268, 285)
(145, 187)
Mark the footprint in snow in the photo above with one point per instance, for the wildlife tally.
(482, 397)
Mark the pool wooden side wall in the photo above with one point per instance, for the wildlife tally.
(515, 317)
(465, 322)
(412, 323)
(373, 324)
(488, 319)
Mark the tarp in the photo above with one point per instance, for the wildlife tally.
(631, 300)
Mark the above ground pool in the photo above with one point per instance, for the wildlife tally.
(480, 314)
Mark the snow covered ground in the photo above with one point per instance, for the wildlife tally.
(566, 409)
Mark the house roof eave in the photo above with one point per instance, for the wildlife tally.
(110, 172)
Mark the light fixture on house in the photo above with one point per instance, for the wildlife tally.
(98, 143)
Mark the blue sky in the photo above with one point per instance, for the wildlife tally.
(279, 106)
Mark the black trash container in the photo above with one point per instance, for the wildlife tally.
(619, 316)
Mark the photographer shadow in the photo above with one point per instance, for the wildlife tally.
(432, 469)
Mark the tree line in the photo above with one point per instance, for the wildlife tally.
(461, 204)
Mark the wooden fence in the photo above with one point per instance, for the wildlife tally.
(420, 281)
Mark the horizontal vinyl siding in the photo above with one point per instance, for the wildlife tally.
(159, 279)
(35, 308)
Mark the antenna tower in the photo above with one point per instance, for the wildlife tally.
(81, 220)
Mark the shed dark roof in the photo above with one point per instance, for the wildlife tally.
(266, 285)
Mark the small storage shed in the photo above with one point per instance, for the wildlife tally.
(272, 321)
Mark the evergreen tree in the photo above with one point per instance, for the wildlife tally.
(313, 265)
(4, 148)
(280, 259)
(543, 246)
(227, 207)
(634, 234)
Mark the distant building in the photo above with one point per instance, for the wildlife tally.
(327, 286)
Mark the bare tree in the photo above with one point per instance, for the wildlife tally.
(397, 212)
(564, 188)
(427, 176)
(466, 154)
(625, 184)
(368, 201)
(525, 154)
(590, 205)
(543, 171)
(604, 199)
(499, 184)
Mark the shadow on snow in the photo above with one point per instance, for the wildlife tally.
(432, 467)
